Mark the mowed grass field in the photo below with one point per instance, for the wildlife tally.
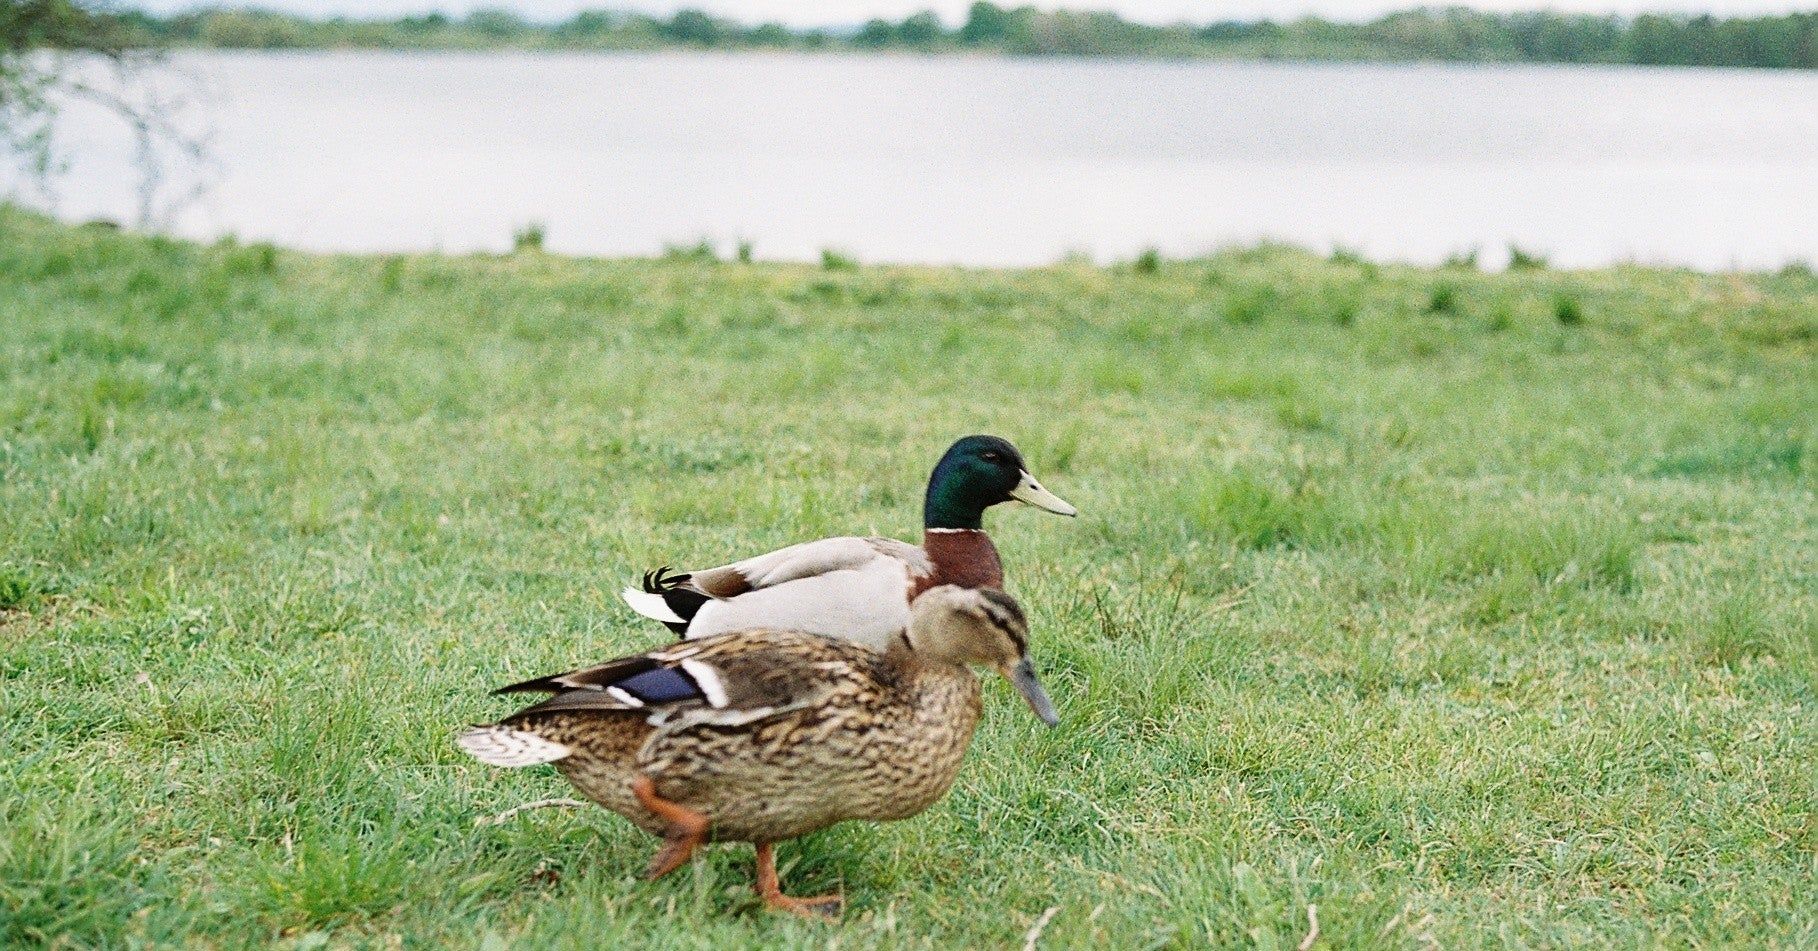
(1478, 610)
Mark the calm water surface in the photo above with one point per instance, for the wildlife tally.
(989, 161)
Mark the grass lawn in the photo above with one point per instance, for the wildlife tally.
(1479, 610)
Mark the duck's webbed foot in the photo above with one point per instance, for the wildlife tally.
(818, 908)
(687, 829)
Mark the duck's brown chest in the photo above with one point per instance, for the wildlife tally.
(964, 557)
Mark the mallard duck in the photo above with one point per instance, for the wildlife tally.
(859, 589)
(764, 735)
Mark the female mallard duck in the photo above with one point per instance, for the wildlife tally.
(859, 589)
(764, 735)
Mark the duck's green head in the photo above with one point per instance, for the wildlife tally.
(976, 473)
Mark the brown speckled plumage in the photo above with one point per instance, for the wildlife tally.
(882, 739)
(765, 735)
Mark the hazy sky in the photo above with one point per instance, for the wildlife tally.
(819, 12)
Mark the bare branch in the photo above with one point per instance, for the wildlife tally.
(49, 51)
(1041, 924)
(153, 115)
(1306, 943)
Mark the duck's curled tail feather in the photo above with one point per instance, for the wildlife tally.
(664, 598)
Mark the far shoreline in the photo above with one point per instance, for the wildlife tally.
(1422, 34)
(963, 56)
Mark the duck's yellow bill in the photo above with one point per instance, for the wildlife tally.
(1031, 491)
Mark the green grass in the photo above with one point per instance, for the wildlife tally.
(1469, 624)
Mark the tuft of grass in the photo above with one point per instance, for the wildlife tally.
(1255, 511)
(1567, 310)
(1764, 454)
(70, 871)
(1304, 416)
(1734, 630)
(1148, 261)
(742, 253)
(1474, 633)
(1545, 543)
(1466, 260)
(1521, 259)
(391, 273)
(20, 587)
(700, 252)
(832, 260)
(1352, 258)
(1443, 299)
(1343, 307)
(264, 257)
(1347, 257)
(336, 880)
(529, 239)
(1252, 304)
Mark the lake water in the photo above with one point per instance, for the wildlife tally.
(988, 161)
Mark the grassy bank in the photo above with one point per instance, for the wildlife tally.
(1475, 609)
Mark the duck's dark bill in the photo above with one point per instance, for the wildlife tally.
(1031, 491)
(1022, 676)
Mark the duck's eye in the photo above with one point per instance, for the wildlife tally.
(991, 457)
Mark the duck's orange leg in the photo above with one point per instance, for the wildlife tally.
(820, 907)
(687, 828)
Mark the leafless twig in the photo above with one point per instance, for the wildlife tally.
(157, 101)
(507, 815)
(1041, 924)
(155, 113)
(1306, 943)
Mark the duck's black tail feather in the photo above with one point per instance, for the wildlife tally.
(685, 602)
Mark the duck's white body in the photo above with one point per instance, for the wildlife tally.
(853, 588)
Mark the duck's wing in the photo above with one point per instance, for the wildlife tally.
(627, 684)
(727, 680)
(846, 587)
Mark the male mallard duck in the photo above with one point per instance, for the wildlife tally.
(859, 589)
(764, 735)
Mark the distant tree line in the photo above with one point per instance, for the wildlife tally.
(1450, 34)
